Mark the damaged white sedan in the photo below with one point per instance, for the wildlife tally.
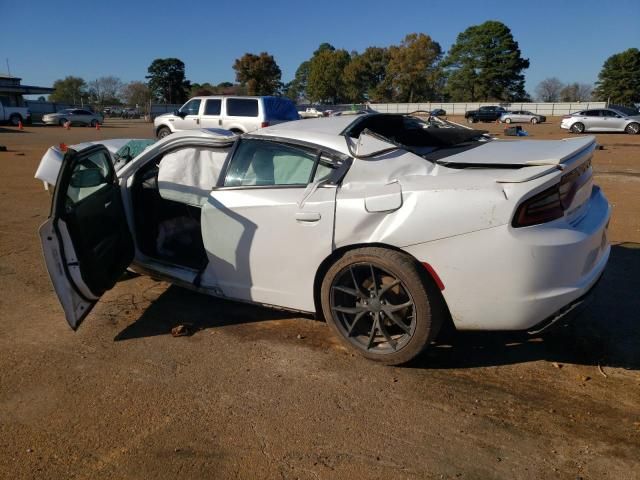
(385, 225)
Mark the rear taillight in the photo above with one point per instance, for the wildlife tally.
(553, 202)
(264, 124)
(540, 208)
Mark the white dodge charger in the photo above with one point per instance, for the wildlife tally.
(385, 225)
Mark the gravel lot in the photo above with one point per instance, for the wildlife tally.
(257, 393)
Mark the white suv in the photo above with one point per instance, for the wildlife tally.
(238, 114)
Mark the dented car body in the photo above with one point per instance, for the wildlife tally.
(386, 225)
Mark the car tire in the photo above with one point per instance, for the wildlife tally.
(163, 132)
(15, 119)
(577, 128)
(62, 121)
(633, 128)
(93, 123)
(508, 120)
(370, 317)
(236, 131)
(471, 120)
(534, 120)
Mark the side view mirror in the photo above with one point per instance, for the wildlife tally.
(91, 177)
(180, 113)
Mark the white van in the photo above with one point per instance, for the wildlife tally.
(238, 114)
(13, 110)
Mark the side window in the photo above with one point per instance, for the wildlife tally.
(608, 113)
(191, 107)
(88, 176)
(212, 107)
(267, 163)
(592, 113)
(242, 107)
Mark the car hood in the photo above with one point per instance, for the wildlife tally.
(520, 153)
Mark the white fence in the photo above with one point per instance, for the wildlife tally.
(549, 109)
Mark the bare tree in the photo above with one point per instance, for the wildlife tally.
(548, 90)
(576, 92)
(106, 90)
(137, 94)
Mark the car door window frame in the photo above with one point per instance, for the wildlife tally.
(321, 154)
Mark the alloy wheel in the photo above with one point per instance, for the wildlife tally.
(373, 308)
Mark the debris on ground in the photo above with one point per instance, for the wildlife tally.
(557, 365)
(183, 330)
(3, 148)
(300, 337)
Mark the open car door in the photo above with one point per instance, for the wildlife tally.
(86, 241)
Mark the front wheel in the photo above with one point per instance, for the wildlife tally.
(380, 304)
(534, 120)
(633, 128)
(508, 120)
(163, 132)
(15, 120)
(577, 127)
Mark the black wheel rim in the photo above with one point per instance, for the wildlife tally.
(372, 308)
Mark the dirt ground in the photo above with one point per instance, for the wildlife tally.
(257, 393)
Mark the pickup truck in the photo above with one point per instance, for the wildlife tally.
(484, 114)
(14, 115)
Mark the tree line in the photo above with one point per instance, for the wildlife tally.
(484, 64)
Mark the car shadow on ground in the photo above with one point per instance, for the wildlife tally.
(606, 332)
(12, 130)
(178, 306)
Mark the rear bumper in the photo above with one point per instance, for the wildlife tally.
(506, 278)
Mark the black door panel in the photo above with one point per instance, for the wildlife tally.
(95, 219)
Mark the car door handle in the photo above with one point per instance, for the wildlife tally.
(308, 216)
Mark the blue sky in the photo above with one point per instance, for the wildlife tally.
(47, 40)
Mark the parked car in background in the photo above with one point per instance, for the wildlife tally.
(238, 114)
(612, 119)
(311, 112)
(484, 114)
(522, 116)
(76, 116)
(438, 112)
(386, 225)
(13, 111)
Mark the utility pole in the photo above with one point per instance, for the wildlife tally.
(8, 68)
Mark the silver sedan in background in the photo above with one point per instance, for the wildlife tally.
(75, 116)
(613, 119)
(522, 116)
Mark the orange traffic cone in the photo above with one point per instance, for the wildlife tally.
(97, 125)
(20, 127)
(63, 147)
(67, 125)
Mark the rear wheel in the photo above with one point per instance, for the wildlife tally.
(534, 120)
(380, 304)
(508, 120)
(577, 127)
(163, 132)
(633, 128)
(62, 121)
(15, 120)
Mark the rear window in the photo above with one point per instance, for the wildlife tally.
(242, 107)
(278, 108)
